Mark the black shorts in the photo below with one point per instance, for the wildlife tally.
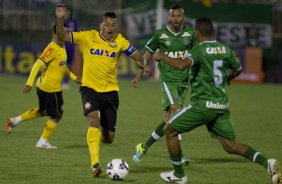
(52, 103)
(107, 103)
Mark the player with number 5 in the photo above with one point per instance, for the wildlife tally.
(213, 65)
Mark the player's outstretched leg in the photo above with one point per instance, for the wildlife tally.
(142, 148)
(253, 155)
(29, 114)
(141, 151)
(274, 171)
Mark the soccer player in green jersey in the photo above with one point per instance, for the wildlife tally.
(175, 40)
(49, 90)
(214, 66)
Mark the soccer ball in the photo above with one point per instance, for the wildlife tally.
(117, 169)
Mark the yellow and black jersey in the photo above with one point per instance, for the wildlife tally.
(52, 62)
(101, 58)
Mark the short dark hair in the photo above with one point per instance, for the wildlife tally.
(54, 28)
(175, 6)
(109, 15)
(205, 26)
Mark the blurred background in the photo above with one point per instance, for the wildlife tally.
(253, 28)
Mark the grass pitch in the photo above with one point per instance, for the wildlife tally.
(255, 109)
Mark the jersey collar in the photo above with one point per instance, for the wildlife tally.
(175, 34)
(60, 44)
(111, 40)
(103, 38)
(211, 41)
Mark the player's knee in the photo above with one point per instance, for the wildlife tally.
(94, 122)
(57, 115)
(93, 119)
(107, 140)
(42, 112)
(169, 131)
(107, 136)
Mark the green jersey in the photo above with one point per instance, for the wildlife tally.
(211, 60)
(175, 45)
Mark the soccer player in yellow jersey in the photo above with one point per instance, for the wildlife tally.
(49, 90)
(99, 90)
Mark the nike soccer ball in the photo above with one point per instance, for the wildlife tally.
(117, 169)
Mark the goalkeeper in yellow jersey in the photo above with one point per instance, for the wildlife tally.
(52, 63)
(99, 90)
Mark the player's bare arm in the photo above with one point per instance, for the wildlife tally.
(178, 63)
(147, 58)
(139, 59)
(137, 78)
(63, 36)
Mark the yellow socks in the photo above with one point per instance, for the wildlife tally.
(30, 114)
(50, 126)
(93, 140)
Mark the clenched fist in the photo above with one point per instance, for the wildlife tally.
(60, 10)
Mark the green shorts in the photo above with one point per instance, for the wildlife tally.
(173, 93)
(217, 123)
